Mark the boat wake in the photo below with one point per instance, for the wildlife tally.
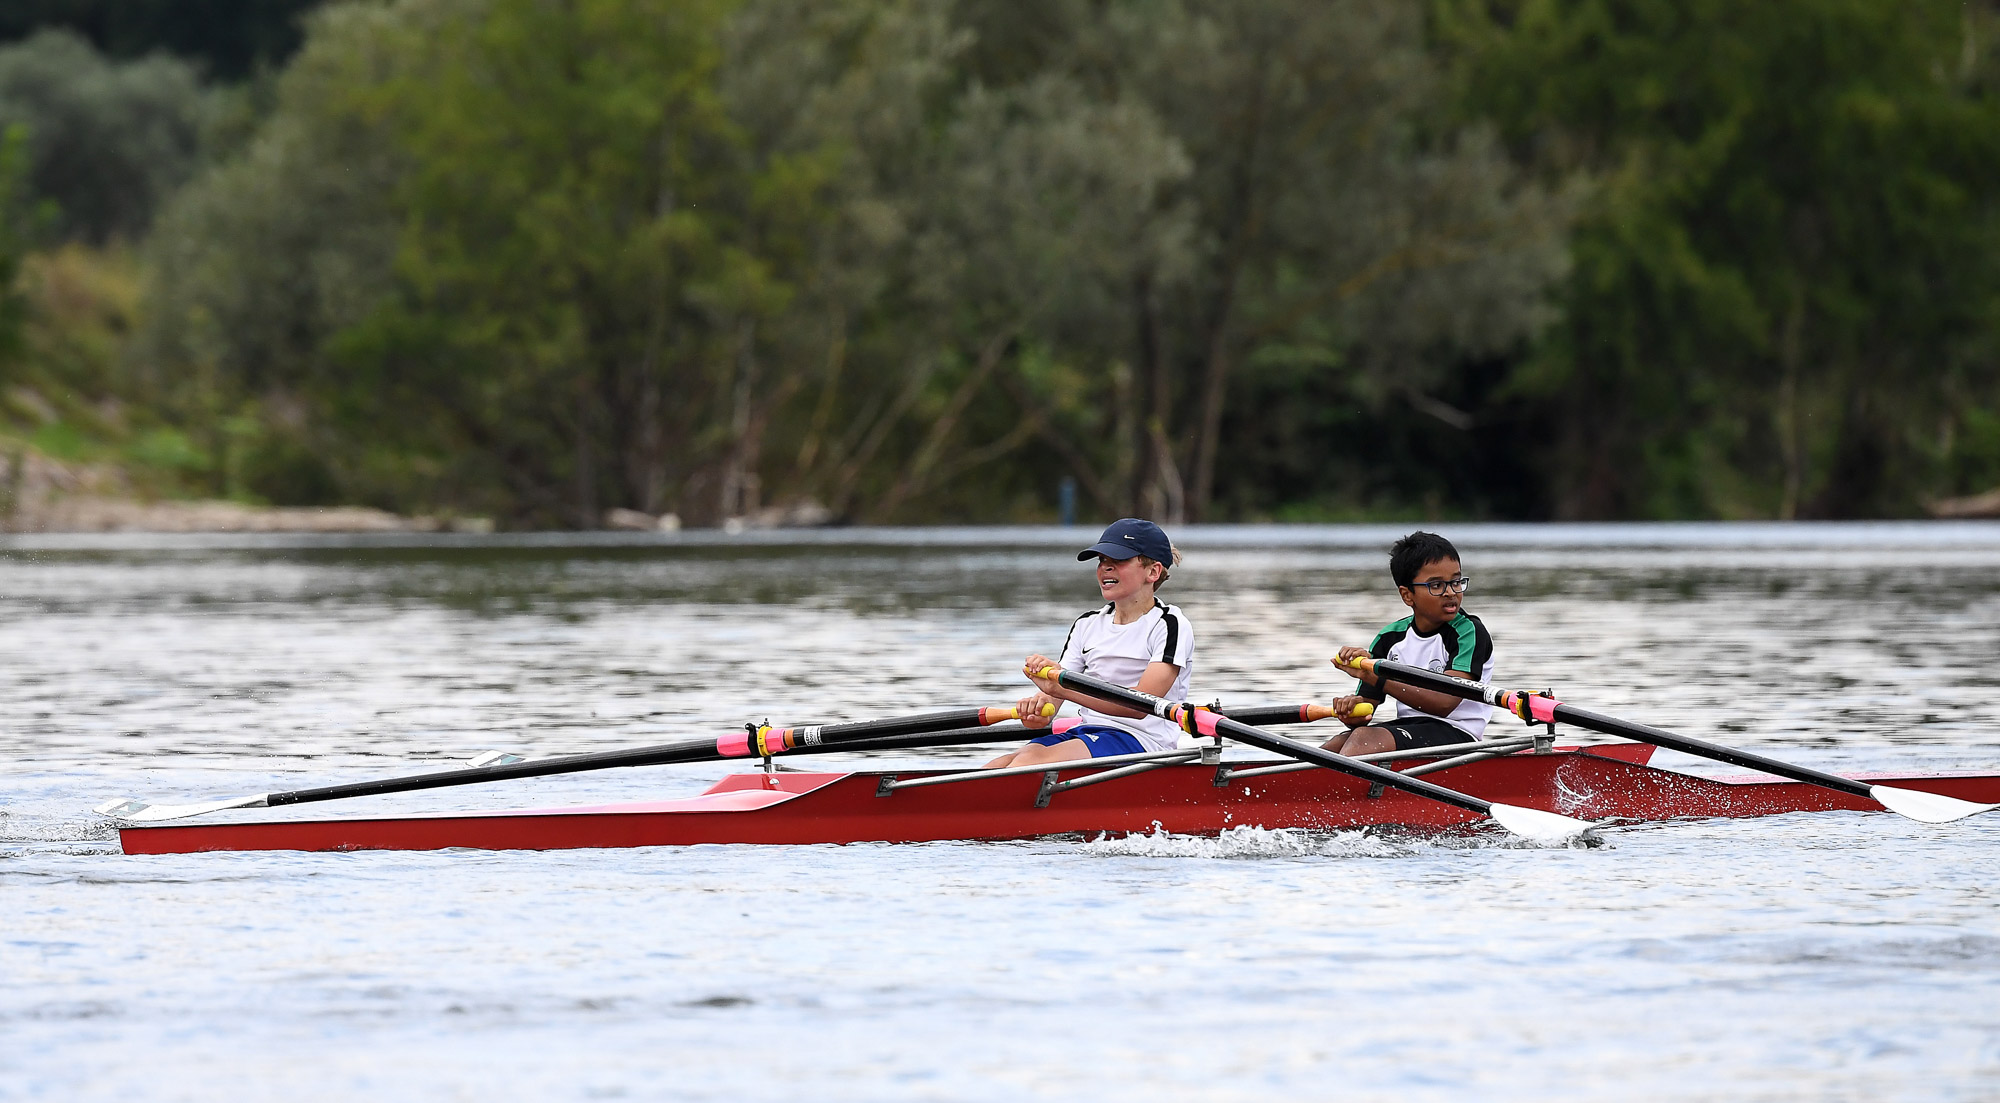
(1247, 841)
(18, 830)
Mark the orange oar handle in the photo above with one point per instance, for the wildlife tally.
(1314, 713)
(1011, 712)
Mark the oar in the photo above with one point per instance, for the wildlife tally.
(1255, 715)
(1527, 822)
(1252, 714)
(741, 744)
(1927, 807)
(1258, 716)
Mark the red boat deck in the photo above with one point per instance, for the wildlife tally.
(796, 808)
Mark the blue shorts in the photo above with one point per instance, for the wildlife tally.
(1103, 741)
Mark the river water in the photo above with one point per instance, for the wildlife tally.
(1829, 956)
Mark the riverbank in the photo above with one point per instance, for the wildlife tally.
(87, 515)
(43, 495)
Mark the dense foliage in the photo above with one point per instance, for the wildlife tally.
(106, 143)
(925, 259)
(1787, 287)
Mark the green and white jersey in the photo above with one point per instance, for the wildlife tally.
(1461, 643)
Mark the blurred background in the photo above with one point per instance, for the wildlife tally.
(626, 263)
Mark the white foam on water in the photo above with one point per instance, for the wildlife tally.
(33, 828)
(16, 851)
(1249, 841)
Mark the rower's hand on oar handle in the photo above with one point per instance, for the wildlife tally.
(1042, 671)
(1356, 661)
(1034, 711)
(1353, 711)
(1348, 710)
(1343, 708)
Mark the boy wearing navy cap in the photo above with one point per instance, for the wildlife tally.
(1134, 640)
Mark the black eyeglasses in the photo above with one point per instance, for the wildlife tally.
(1437, 586)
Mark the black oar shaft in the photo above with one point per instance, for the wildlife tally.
(1257, 737)
(1610, 725)
(958, 737)
(692, 750)
(948, 720)
(1700, 748)
(738, 744)
(1270, 741)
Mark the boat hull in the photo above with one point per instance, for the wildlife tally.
(803, 808)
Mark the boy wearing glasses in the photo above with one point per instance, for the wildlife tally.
(1437, 635)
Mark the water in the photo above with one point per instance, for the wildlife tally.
(1837, 956)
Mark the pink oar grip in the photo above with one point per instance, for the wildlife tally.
(733, 745)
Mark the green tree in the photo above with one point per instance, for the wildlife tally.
(915, 260)
(258, 264)
(1045, 210)
(106, 141)
(1784, 293)
(1342, 237)
(520, 258)
(13, 244)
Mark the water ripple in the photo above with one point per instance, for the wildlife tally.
(1836, 956)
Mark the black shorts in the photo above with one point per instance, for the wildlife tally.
(1423, 731)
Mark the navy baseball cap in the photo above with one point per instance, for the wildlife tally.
(1128, 537)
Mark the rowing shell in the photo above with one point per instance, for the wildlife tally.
(797, 808)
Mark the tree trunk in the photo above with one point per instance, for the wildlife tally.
(917, 472)
(1241, 217)
(1124, 438)
(848, 476)
(1160, 492)
(738, 495)
(1079, 464)
(836, 359)
(1171, 494)
(1215, 388)
(1791, 428)
(650, 479)
(586, 468)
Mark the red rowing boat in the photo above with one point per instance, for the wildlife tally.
(1609, 781)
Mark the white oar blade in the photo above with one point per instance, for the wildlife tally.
(1539, 826)
(496, 758)
(133, 811)
(1927, 807)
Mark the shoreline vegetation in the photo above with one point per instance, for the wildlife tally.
(51, 497)
(797, 262)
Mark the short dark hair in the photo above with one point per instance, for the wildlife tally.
(1412, 552)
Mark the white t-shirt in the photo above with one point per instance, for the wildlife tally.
(1120, 653)
(1461, 643)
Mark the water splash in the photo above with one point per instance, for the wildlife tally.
(18, 828)
(1252, 842)
(1249, 841)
